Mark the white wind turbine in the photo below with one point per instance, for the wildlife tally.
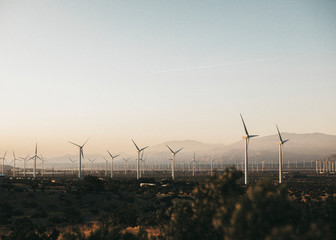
(212, 163)
(24, 164)
(106, 163)
(280, 154)
(92, 160)
(73, 167)
(3, 162)
(42, 165)
(126, 164)
(247, 138)
(112, 158)
(173, 162)
(14, 166)
(81, 154)
(139, 150)
(193, 162)
(35, 157)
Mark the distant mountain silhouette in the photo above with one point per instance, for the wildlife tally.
(300, 147)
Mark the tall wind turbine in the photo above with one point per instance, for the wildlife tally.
(92, 160)
(106, 163)
(193, 162)
(14, 161)
(35, 157)
(212, 163)
(247, 139)
(73, 168)
(81, 154)
(173, 162)
(24, 164)
(126, 164)
(42, 164)
(3, 162)
(112, 158)
(280, 154)
(139, 150)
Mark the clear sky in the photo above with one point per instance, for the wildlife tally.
(159, 70)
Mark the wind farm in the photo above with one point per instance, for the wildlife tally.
(167, 120)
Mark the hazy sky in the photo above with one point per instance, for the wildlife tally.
(162, 70)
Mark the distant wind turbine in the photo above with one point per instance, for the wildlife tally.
(14, 161)
(247, 139)
(212, 163)
(173, 162)
(112, 158)
(73, 168)
(193, 162)
(81, 154)
(92, 160)
(3, 162)
(24, 164)
(126, 164)
(280, 153)
(42, 164)
(139, 150)
(35, 157)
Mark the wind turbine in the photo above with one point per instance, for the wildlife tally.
(24, 164)
(173, 162)
(126, 164)
(280, 153)
(139, 150)
(92, 160)
(212, 163)
(42, 164)
(3, 162)
(73, 168)
(13, 161)
(34, 157)
(193, 162)
(81, 154)
(112, 158)
(106, 163)
(247, 139)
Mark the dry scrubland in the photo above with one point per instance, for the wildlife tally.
(205, 207)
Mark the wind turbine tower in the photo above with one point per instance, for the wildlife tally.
(92, 160)
(247, 139)
(139, 150)
(173, 162)
(112, 158)
(3, 162)
(126, 164)
(14, 161)
(81, 154)
(73, 168)
(280, 154)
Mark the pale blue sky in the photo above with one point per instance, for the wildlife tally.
(163, 70)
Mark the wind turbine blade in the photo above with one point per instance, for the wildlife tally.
(81, 152)
(178, 150)
(170, 149)
(251, 136)
(279, 133)
(14, 154)
(135, 145)
(5, 154)
(86, 141)
(285, 141)
(116, 156)
(74, 144)
(244, 125)
(109, 153)
(143, 148)
(36, 149)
